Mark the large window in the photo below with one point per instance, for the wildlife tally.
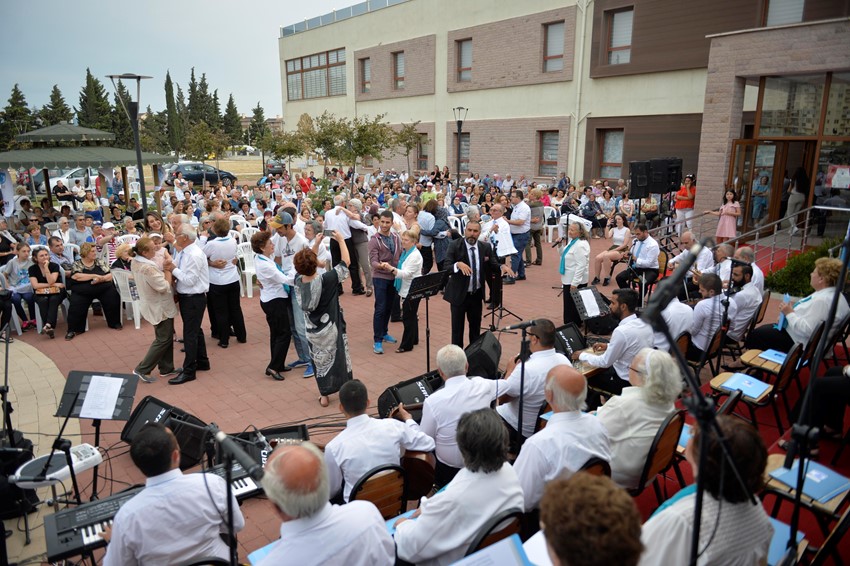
(398, 70)
(837, 121)
(365, 75)
(464, 60)
(422, 153)
(784, 12)
(317, 75)
(620, 36)
(548, 157)
(464, 152)
(553, 57)
(791, 105)
(611, 152)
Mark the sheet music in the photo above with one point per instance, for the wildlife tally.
(101, 397)
(590, 305)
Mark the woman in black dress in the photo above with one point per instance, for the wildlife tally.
(92, 280)
(48, 287)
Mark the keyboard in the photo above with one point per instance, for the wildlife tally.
(242, 484)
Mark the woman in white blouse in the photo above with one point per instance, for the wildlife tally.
(223, 302)
(409, 266)
(574, 268)
(621, 237)
(633, 418)
(275, 302)
(64, 230)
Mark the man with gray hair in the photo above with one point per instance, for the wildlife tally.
(569, 440)
(343, 220)
(193, 282)
(442, 410)
(312, 530)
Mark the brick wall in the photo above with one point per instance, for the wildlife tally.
(399, 160)
(510, 52)
(419, 73)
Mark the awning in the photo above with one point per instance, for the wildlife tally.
(69, 157)
(64, 132)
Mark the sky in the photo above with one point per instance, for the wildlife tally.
(234, 43)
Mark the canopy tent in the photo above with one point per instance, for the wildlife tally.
(64, 132)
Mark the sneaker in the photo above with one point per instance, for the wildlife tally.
(298, 363)
(310, 371)
(378, 349)
(144, 377)
(389, 339)
(175, 371)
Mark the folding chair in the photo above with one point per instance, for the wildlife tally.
(385, 487)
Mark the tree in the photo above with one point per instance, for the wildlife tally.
(330, 135)
(57, 110)
(183, 118)
(121, 126)
(193, 105)
(202, 141)
(94, 110)
(257, 128)
(174, 124)
(214, 112)
(408, 138)
(153, 132)
(232, 122)
(283, 145)
(16, 118)
(368, 137)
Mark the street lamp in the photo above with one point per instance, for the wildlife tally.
(460, 116)
(131, 108)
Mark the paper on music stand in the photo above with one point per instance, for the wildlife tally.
(101, 397)
(591, 307)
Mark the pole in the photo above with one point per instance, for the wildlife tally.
(140, 175)
(459, 131)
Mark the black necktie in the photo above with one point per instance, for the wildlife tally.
(474, 265)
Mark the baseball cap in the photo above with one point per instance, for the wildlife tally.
(97, 222)
(108, 225)
(282, 218)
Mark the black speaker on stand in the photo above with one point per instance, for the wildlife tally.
(639, 179)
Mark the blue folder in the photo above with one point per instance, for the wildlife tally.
(820, 483)
(258, 555)
(685, 436)
(749, 385)
(506, 552)
(778, 544)
(391, 522)
(773, 356)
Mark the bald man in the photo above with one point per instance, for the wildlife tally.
(569, 440)
(313, 531)
(748, 255)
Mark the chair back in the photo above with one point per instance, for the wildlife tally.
(765, 301)
(128, 239)
(247, 232)
(51, 227)
(597, 467)
(829, 548)
(550, 212)
(788, 369)
(74, 248)
(36, 247)
(245, 252)
(383, 486)
(206, 561)
(662, 450)
(499, 527)
(730, 403)
(683, 341)
(235, 235)
(455, 224)
(121, 278)
(419, 468)
(237, 219)
(662, 265)
(811, 346)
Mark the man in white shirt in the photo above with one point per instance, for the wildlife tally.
(643, 264)
(569, 440)
(747, 301)
(497, 233)
(520, 230)
(193, 283)
(723, 263)
(543, 358)
(629, 338)
(343, 220)
(703, 264)
(748, 255)
(189, 510)
(443, 408)
(312, 531)
(679, 318)
(708, 315)
(366, 443)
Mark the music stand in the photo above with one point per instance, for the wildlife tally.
(425, 287)
(74, 395)
(496, 302)
(582, 309)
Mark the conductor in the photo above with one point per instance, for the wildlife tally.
(470, 263)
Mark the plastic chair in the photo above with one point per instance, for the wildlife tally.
(247, 232)
(385, 487)
(75, 248)
(500, 527)
(550, 212)
(16, 320)
(661, 453)
(248, 267)
(235, 235)
(50, 227)
(63, 307)
(121, 279)
(240, 220)
(455, 224)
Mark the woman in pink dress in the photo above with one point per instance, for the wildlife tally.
(728, 213)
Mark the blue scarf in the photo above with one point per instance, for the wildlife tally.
(404, 254)
(564, 254)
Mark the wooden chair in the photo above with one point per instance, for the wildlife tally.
(736, 349)
(596, 467)
(661, 452)
(808, 355)
(830, 545)
(662, 272)
(712, 355)
(541, 423)
(419, 473)
(385, 487)
(841, 335)
(500, 527)
(779, 388)
(683, 340)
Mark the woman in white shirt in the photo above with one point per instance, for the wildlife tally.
(633, 417)
(409, 266)
(621, 237)
(275, 302)
(223, 303)
(574, 267)
(64, 231)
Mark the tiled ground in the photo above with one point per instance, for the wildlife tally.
(235, 394)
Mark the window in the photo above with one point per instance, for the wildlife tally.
(317, 75)
(620, 36)
(784, 12)
(548, 158)
(464, 61)
(611, 142)
(398, 70)
(553, 39)
(365, 75)
(464, 152)
(422, 153)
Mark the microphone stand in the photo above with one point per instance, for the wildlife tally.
(523, 354)
(9, 432)
(803, 434)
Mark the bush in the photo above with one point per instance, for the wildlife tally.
(794, 277)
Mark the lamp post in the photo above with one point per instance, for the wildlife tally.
(460, 116)
(131, 108)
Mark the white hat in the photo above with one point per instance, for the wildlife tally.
(108, 225)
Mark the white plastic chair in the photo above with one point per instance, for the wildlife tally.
(16, 321)
(50, 227)
(235, 235)
(63, 307)
(248, 232)
(455, 224)
(74, 248)
(249, 270)
(128, 239)
(121, 279)
(548, 211)
(240, 220)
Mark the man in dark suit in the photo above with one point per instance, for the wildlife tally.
(470, 263)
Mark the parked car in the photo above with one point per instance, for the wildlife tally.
(274, 166)
(67, 176)
(195, 172)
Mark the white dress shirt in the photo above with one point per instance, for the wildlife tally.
(813, 310)
(724, 270)
(629, 338)
(758, 277)
(645, 253)
(679, 318)
(272, 279)
(521, 212)
(192, 272)
(367, 443)
(569, 440)
(218, 249)
(354, 534)
(748, 302)
(172, 520)
(576, 264)
(500, 240)
(740, 536)
(708, 314)
(536, 368)
(703, 264)
(442, 410)
(631, 423)
(451, 519)
(338, 220)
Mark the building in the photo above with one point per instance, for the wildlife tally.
(733, 87)
(273, 124)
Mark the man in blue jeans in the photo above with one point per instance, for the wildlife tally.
(384, 252)
(520, 222)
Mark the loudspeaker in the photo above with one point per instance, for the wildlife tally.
(659, 173)
(483, 356)
(14, 501)
(409, 392)
(639, 179)
(192, 440)
(674, 173)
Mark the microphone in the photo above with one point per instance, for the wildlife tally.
(670, 287)
(520, 325)
(251, 466)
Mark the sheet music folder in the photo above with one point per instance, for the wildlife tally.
(579, 303)
(79, 381)
(427, 285)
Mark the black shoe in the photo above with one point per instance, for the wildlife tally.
(356, 293)
(606, 281)
(521, 278)
(508, 281)
(222, 345)
(595, 281)
(275, 374)
(70, 335)
(242, 340)
(395, 320)
(204, 367)
(118, 326)
(180, 379)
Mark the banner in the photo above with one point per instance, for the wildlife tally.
(838, 177)
(7, 186)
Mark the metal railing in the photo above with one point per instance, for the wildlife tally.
(338, 15)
